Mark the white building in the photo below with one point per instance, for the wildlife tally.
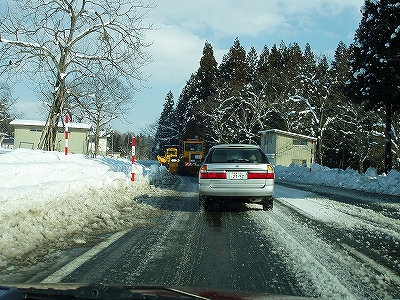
(27, 134)
(284, 148)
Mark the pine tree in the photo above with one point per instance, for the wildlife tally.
(254, 108)
(197, 90)
(251, 66)
(279, 80)
(206, 86)
(207, 73)
(262, 71)
(232, 70)
(185, 118)
(352, 139)
(276, 80)
(376, 65)
(167, 129)
(236, 100)
(341, 65)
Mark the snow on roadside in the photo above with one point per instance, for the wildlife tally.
(342, 215)
(45, 199)
(349, 178)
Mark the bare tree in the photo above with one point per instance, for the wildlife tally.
(59, 39)
(99, 100)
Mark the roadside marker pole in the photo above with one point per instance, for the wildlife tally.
(311, 154)
(133, 158)
(66, 136)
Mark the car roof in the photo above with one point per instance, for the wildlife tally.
(237, 146)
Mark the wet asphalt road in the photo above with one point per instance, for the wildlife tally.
(191, 247)
(242, 247)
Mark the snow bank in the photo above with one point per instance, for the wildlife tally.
(349, 178)
(47, 199)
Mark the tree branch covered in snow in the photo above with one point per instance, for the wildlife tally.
(6, 107)
(282, 88)
(56, 39)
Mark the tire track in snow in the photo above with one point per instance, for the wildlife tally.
(330, 245)
(301, 248)
(371, 238)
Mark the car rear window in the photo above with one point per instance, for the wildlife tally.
(235, 155)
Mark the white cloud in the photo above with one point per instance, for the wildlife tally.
(220, 18)
(217, 19)
(320, 7)
(176, 53)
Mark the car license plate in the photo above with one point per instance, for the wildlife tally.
(238, 175)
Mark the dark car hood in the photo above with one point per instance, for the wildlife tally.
(115, 291)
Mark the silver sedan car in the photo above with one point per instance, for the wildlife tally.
(236, 173)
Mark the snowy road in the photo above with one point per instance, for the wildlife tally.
(348, 249)
(343, 247)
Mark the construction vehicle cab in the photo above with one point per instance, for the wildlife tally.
(170, 159)
(191, 157)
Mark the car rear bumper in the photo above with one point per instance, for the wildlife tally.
(236, 189)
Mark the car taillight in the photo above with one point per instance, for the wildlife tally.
(262, 174)
(204, 174)
(216, 175)
(213, 175)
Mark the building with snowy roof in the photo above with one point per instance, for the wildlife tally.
(285, 148)
(27, 134)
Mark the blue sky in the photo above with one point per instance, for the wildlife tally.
(184, 26)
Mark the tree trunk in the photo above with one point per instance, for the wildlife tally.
(318, 150)
(96, 140)
(388, 137)
(49, 134)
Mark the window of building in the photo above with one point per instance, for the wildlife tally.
(299, 142)
(299, 162)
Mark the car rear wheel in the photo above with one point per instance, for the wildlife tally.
(211, 205)
(268, 204)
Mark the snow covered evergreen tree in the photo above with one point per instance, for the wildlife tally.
(206, 82)
(232, 70)
(232, 95)
(207, 73)
(315, 105)
(251, 65)
(351, 140)
(376, 66)
(167, 127)
(184, 110)
(197, 92)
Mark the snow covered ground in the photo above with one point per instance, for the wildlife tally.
(46, 197)
(349, 178)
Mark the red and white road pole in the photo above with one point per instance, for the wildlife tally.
(311, 154)
(66, 136)
(133, 158)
